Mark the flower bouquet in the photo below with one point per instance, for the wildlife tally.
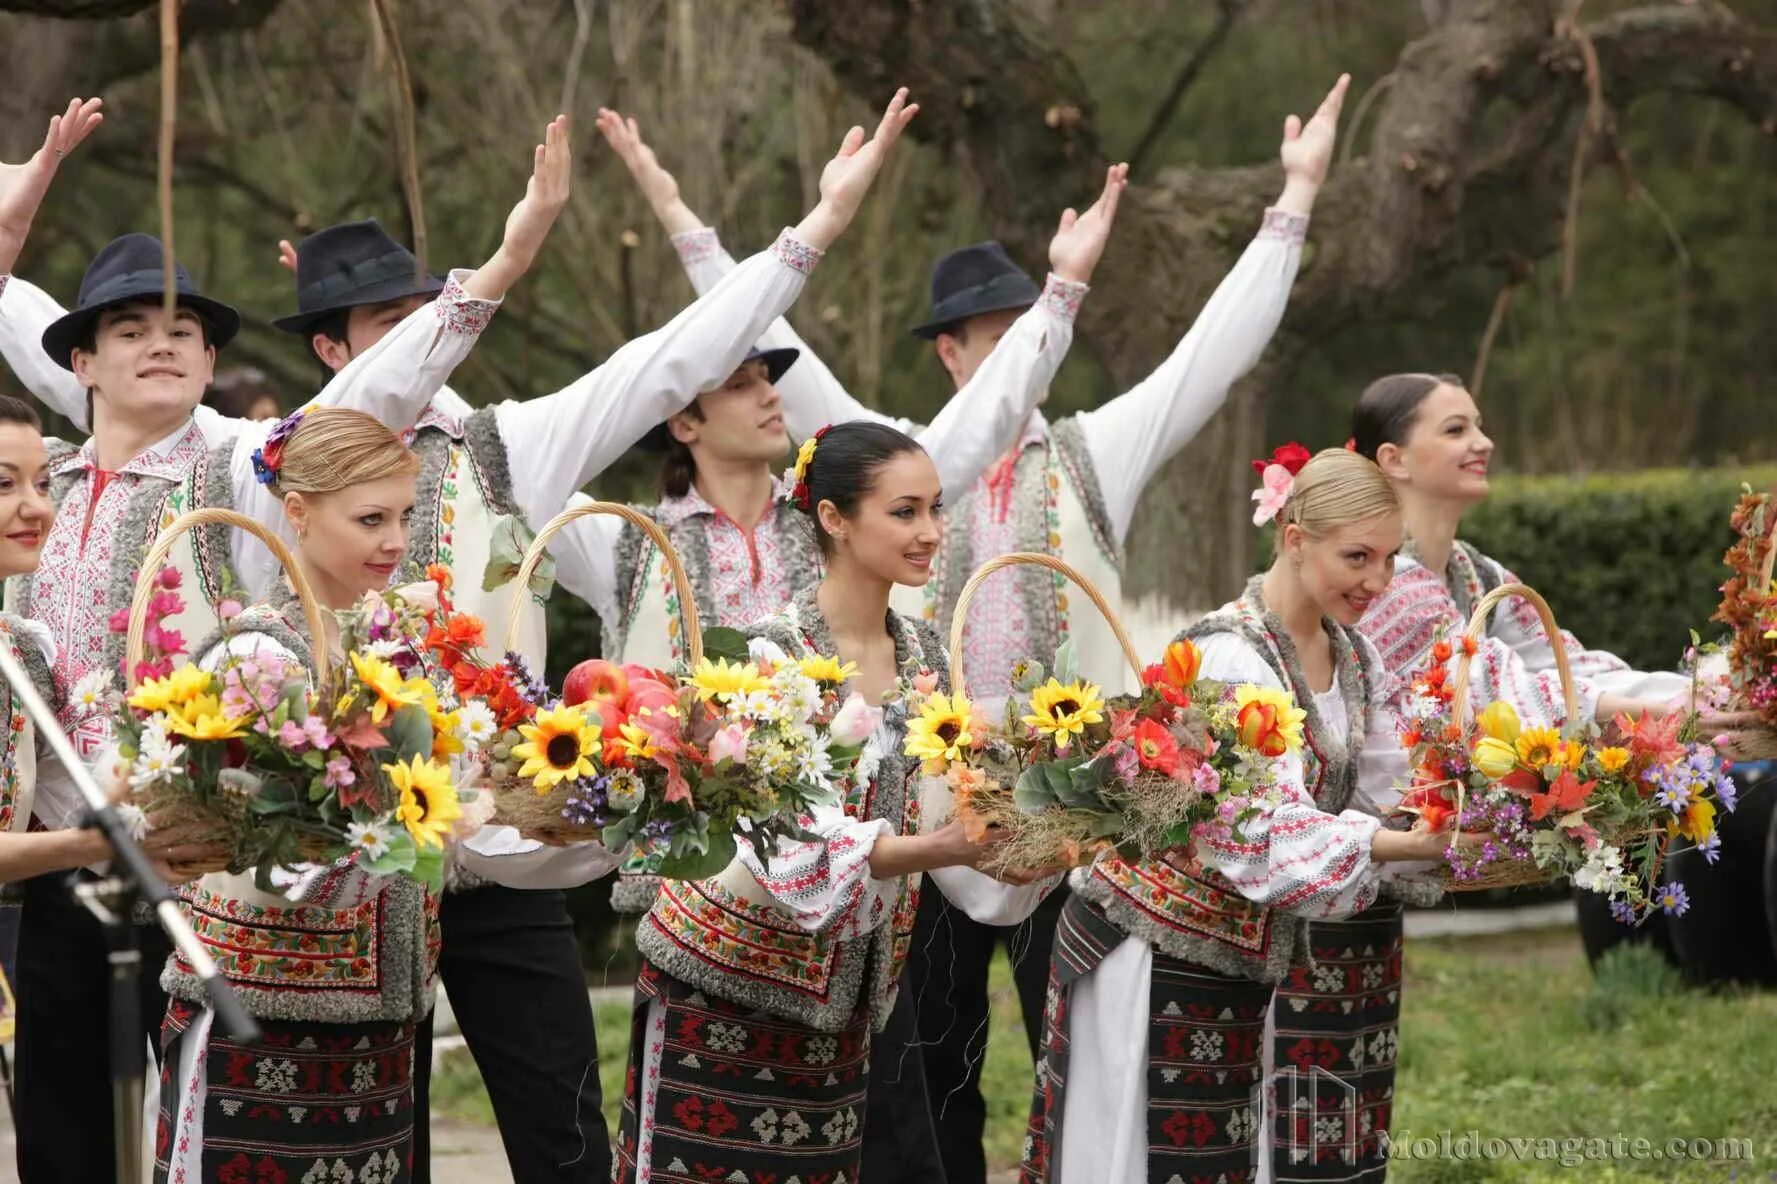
(250, 756)
(670, 769)
(1749, 608)
(1597, 805)
(1068, 774)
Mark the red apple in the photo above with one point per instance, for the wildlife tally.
(595, 678)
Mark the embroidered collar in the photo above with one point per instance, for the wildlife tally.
(168, 458)
(674, 510)
(434, 417)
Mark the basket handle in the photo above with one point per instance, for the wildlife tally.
(688, 622)
(136, 641)
(1460, 708)
(959, 618)
(1770, 512)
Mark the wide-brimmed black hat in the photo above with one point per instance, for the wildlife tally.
(351, 264)
(974, 280)
(776, 362)
(132, 268)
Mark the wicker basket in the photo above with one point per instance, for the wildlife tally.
(1514, 873)
(539, 815)
(182, 821)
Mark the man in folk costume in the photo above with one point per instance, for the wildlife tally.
(154, 453)
(1068, 488)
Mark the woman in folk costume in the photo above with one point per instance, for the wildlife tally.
(1154, 1047)
(1425, 433)
(1069, 488)
(137, 373)
(338, 965)
(761, 987)
(715, 471)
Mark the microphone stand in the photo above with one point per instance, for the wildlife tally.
(112, 901)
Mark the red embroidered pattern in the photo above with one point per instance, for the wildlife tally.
(694, 246)
(459, 312)
(1063, 297)
(796, 254)
(1291, 228)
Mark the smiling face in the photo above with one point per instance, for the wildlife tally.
(144, 367)
(1444, 454)
(352, 540)
(740, 422)
(1346, 569)
(893, 531)
(25, 508)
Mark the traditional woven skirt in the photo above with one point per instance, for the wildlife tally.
(1203, 1038)
(321, 1102)
(1337, 1029)
(719, 1091)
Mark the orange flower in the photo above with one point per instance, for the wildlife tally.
(1470, 646)
(439, 574)
(1441, 652)
(1155, 747)
(1181, 663)
(1260, 730)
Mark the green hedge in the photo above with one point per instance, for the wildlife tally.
(1630, 562)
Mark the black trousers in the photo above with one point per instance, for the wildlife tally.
(900, 1141)
(947, 980)
(62, 1045)
(512, 968)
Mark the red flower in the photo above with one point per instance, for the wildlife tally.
(1441, 652)
(1155, 747)
(1291, 456)
(1430, 804)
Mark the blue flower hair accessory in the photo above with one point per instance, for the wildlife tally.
(268, 458)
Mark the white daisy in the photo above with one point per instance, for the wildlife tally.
(89, 693)
(369, 837)
(476, 725)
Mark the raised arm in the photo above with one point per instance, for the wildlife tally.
(25, 310)
(559, 442)
(1133, 435)
(812, 393)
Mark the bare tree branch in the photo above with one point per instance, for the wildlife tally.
(1229, 11)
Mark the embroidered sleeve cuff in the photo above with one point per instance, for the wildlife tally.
(795, 253)
(694, 246)
(1062, 297)
(460, 312)
(1281, 224)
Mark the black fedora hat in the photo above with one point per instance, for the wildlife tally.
(350, 264)
(776, 362)
(132, 268)
(974, 280)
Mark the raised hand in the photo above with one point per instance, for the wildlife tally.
(659, 187)
(848, 176)
(532, 218)
(1080, 239)
(22, 186)
(1307, 150)
(287, 254)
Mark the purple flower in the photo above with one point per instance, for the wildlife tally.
(1623, 911)
(586, 802)
(1711, 848)
(339, 773)
(1727, 792)
(1675, 795)
(1674, 900)
(524, 678)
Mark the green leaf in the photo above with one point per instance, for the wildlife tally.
(700, 865)
(1066, 667)
(410, 732)
(507, 543)
(719, 641)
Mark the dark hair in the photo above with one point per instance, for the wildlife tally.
(20, 412)
(1386, 410)
(844, 468)
(88, 341)
(233, 392)
(678, 468)
(332, 326)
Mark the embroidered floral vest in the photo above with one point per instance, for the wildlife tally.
(312, 962)
(77, 588)
(726, 936)
(1059, 511)
(1203, 919)
(18, 746)
(648, 630)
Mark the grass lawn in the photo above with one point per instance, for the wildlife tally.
(1508, 1037)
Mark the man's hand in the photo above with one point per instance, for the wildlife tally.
(1080, 239)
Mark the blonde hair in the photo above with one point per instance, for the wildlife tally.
(335, 447)
(1337, 488)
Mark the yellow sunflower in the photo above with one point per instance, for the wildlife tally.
(1062, 711)
(940, 732)
(445, 741)
(635, 743)
(560, 746)
(1612, 759)
(385, 682)
(176, 689)
(428, 799)
(723, 679)
(828, 671)
(1541, 747)
(202, 718)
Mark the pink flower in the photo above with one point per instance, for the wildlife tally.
(119, 621)
(1206, 780)
(315, 728)
(228, 610)
(855, 721)
(339, 773)
(1273, 492)
(168, 577)
(291, 736)
(729, 743)
(925, 682)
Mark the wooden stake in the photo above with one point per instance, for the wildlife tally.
(169, 98)
(406, 134)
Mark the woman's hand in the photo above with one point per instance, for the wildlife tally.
(659, 187)
(1423, 843)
